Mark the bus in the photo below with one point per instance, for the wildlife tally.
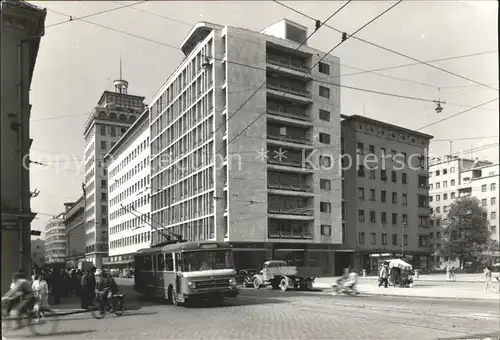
(188, 271)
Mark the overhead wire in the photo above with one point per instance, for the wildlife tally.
(391, 50)
(321, 59)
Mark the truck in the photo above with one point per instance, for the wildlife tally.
(280, 275)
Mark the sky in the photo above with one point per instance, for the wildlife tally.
(79, 59)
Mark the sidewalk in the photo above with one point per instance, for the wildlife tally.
(471, 291)
(466, 277)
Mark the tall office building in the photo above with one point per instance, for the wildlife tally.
(110, 119)
(229, 165)
(22, 27)
(55, 240)
(129, 195)
(386, 192)
(457, 177)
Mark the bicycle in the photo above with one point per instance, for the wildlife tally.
(29, 319)
(115, 304)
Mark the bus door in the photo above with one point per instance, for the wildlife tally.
(178, 271)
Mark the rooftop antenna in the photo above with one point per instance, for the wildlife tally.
(121, 68)
(121, 85)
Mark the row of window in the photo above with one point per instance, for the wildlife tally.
(120, 182)
(199, 230)
(384, 239)
(138, 150)
(191, 208)
(138, 203)
(130, 240)
(383, 196)
(139, 185)
(383, 217)
(135, 222)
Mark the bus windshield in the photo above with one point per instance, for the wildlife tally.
(207, 260)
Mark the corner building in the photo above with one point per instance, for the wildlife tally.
(55, 240)
(128, 178)
(113, 115)
(386, 192)
(234, 166)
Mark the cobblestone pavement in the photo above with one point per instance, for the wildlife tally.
(267, 314)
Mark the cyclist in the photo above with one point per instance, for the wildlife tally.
(105, 288)
(20, 289)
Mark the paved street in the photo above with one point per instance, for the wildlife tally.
(292, 315)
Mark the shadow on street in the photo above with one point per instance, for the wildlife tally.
(62, 333)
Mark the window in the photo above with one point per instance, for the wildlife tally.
(438, 198)
(393, 176)
(104, 183)
(371, 174)
(431, 186)
(483, 188)
(361, 171)
(371, 148)
(324, 138)
(326, 230)
(372, 194)
(360, 148)
(394, 239)
(384, 239)
(325, 207)
(493, 186)
(325, 161)
(103, 145)
(452, 170)
(452, 182)
(383, 175)
(493, 229)
(113, 131)
(103, 130)
(394, 197)
(452, 195)
(361, 237)
(493, 201)
(438, 210)
(405, 157)
(373, 238)
(103, 196)
(383, 217)
(325, 184)
(445, 197)
(484, 202)
(445, 184)
(324, 115)
(383, 195)
(123, 130)
(431, 198)
(438, 185)
(405, 219)
(493, 215)
(160, 261)
(169, 262)
(361, 215)
(324, 68)
(445, 171)
(437, 173)
(361, 193)
(405, 240)
(394, 218)
(404, 178)
(324, 92)
(373, 218)
(405, 199)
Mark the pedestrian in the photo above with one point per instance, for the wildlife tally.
(452, 274)
(41, 289)
(384, 276)
(488, 283)
(83, 291)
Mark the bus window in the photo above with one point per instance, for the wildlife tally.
(148, 263)
(160, 262)
(178, 262)
(169, 262)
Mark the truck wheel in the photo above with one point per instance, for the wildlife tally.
(283, 285)
(256, 283)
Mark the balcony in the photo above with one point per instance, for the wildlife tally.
(287, 90)
(298, 114)
(290, 187)
(289, 229)
(287, 62)
(289, 138)
(301, 211)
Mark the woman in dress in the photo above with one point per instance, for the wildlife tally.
(41, 290)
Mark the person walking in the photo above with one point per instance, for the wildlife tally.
(83, 291)
(384, 276)
(488, 283)
(41, 289)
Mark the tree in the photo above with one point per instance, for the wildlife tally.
(465, 234)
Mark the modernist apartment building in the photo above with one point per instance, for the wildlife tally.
(55, 240)
(463, 177)
(18, 56)
(75, 232)
(129, 195)
(386, 192)
(229, 165)
(111, 118)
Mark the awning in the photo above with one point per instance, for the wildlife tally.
(117, 263)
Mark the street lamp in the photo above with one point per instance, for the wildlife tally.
(403, 239)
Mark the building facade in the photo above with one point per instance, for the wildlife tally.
(458, 177)
(21, 29)
(55, 240)
(38, 253)
(111, 118)
(232, 165)
(75, 232)
(128, 165)
(386, 191)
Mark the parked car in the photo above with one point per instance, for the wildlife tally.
(244, 277)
